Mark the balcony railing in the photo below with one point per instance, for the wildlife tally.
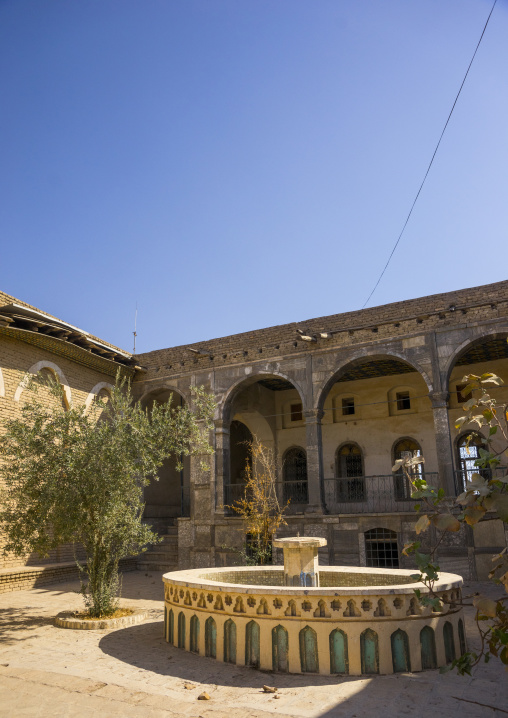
(464, 475)
(371, 494)
(296, 492)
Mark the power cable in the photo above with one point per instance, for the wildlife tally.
(431, 161)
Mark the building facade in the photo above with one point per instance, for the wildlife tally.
(337, 398)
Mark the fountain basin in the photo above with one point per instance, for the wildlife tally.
(355, 621)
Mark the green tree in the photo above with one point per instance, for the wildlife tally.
(485, 498)
(77, 476)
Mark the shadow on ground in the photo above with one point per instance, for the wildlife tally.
(143, 646)
(16, 620)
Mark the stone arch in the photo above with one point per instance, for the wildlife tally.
(465, 347)
(225, 406)
(324, 388)
(168, 497)
(2, 385)
(59, 375)
(95, 392)
(162, 388)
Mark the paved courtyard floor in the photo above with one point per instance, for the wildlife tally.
(132, 672)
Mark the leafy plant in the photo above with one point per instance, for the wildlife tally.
(485, 497)
(75, 476)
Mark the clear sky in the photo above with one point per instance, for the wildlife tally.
(235, 164)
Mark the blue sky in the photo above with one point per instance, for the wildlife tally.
(235, 164)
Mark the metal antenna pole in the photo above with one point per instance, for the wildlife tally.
(135, 326)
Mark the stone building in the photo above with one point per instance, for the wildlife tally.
(338, 398)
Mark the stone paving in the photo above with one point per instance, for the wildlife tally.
(49, 671)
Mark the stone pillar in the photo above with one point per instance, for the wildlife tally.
(301, 566)
(314, 460)
(222, 456)
(443, 438)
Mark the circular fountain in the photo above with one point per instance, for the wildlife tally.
(304, 618)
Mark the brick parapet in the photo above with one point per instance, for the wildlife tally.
(438, 312)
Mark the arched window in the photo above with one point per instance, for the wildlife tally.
(309, 650)
(369, 651)
(349, 467)
(469, 453)
(381, 548)
(194, 634)
(181, 630)
(406, 449)
(400, 652)
(280, 649)
(210, 638)
(252, 644)
(428, 647)
(338, 652)
(449, 642)
(294, 467)
(229, 642)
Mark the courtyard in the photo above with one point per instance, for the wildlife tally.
(47, 671)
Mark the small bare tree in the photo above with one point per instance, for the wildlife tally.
(259, 506)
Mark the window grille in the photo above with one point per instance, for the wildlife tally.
(350, 481)
(468, 455)
(295, 476)
(381, 548)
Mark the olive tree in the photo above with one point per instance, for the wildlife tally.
(77, 476)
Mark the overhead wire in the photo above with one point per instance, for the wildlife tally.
(431, 161)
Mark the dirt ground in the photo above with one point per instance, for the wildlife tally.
(49, 671)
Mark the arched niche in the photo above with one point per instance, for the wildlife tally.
(101, 390)
(254, 410)
(168, 497)
(55, 370)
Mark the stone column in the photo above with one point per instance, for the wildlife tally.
(314, 460)
(443, 438)
(222, 456)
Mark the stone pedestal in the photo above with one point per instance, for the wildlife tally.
(300, 560)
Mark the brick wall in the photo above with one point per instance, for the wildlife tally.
(487, 302)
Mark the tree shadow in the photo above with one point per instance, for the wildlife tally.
(143, 646)
(16, 620)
